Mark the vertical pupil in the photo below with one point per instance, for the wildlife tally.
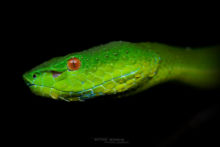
(74, 63)
(34, 76)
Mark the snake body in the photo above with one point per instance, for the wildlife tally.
(122, 68)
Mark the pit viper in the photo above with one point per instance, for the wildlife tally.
(122, 68)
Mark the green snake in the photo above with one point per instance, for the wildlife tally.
(122, 68)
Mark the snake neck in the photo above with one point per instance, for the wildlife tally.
(197, 66)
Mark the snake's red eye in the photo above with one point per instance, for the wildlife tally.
(73, 63)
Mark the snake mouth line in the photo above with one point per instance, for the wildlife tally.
(30, 84)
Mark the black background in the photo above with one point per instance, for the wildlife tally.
(157, 117)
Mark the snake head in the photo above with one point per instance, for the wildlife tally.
(103, 70)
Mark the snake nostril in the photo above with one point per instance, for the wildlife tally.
(34, 75)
